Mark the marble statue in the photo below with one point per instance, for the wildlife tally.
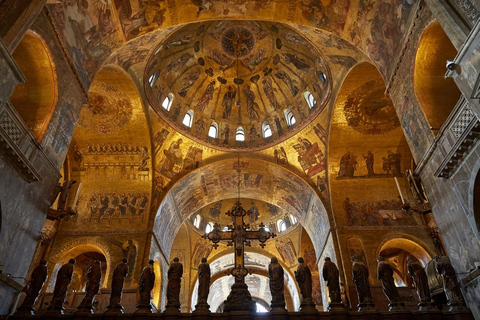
(450, 283)
(304, 280)
(419, 276)
(385, 275)
(118, 278)
(331, 276)
(35, 285)
(94, 276)
(360, 278)
(276, 275)
(145, 285)
(175, 272)
(64, 277)
(203, 286)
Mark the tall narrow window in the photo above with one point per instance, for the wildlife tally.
(167, 102)
(196, 221)
(213, 131)
(153, 78)
(209, 227)
(240, 134)
(321, 76)
(293, 219)
(289, 117)
(281, 225)
(188, 119)
(267, 131)
(310, 99)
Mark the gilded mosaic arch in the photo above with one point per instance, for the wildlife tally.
(408, 243)
(80, 246)
(258, 180)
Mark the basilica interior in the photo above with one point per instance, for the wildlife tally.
(344, 127)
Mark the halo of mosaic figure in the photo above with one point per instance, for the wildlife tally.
(276, 273)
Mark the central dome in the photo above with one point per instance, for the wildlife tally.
(237, 84)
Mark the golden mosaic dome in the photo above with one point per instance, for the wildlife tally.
(237, 84)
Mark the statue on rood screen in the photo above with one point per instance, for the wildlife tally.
(175, 272)
(37, 279)
(276, 275)
(64, 277)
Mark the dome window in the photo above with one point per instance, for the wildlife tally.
(267, 131)
(240, 134)
(213, 131)
(196, 221)
(321, 76)
(209, 227)
(188, 119)
(293, 219)
(281, 225)
(310, 99)
(167, 102)
(289, 117)
(153, 78)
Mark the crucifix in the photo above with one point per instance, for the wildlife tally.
(239, 236)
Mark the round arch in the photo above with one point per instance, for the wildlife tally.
(263, 181)
(258, 264)
(410, 244)
(75, 249)
(395, 249)
(436, 95)
(36, 99)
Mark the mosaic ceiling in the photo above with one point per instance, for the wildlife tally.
(247, 78)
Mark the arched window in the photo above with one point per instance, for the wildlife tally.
(293, 219)
(281, 225)
(167, 102)
(266, 130)
(196, 221)
(188, 119)
(289, 117)
(310, 99)
(240, 134)
(213, 131)
(209, 227)
(153, 78)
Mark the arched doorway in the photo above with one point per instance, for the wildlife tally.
(257, 282)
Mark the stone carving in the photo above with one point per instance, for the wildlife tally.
(450, 283)
(360, 277)
(303, 276)
(94, 276)
(35, 285)
(175, 273)
(385, 275)
(420, 280)
(331, 276)
(64, 276)
(203, 286)
(118, 278)
(276, 275)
